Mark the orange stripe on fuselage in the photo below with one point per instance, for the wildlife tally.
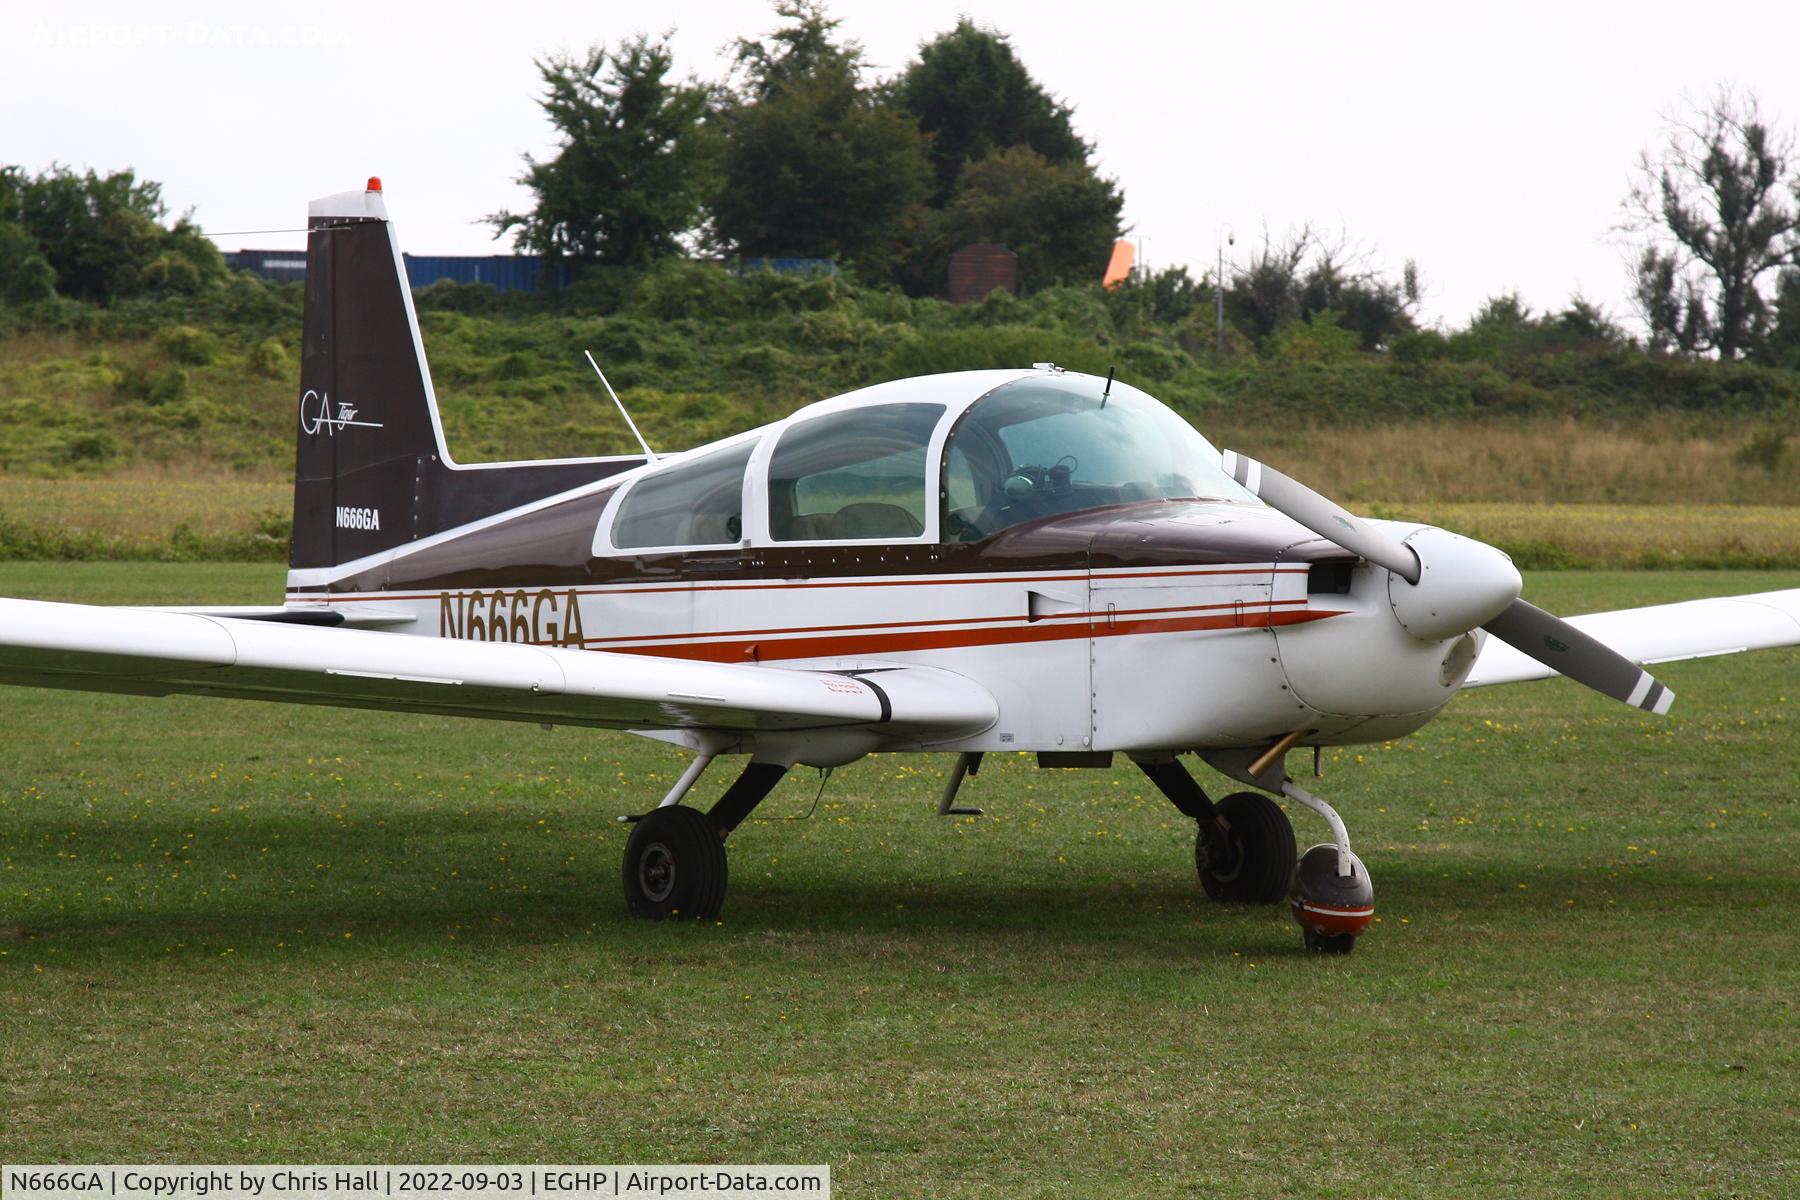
(840, 646)
(1243, 606)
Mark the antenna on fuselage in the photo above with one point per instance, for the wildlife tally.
(1110, 372)
(648, 452)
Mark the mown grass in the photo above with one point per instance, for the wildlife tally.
(249, 932)
(163, 517)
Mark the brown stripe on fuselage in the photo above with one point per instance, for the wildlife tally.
(552, 547)
(810, 584)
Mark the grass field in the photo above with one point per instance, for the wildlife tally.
(238, 932)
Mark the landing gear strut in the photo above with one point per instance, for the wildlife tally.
(675, 865)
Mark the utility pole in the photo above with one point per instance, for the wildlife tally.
(1227, 237)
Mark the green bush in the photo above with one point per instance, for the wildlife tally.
(152, 386)
(170, 272)
(186, 344)
(980, 348)
(1427, 345)
(1318, 340)
(1767, 449)
(1153, 361)
(679, 287)
(269, 358)
(447, 295)
(91, 447)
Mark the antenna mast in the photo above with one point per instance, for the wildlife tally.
(648, 452)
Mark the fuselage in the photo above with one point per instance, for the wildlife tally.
(1102, 610)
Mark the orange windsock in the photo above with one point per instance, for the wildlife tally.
(1118, 269)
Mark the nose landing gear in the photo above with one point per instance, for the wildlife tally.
(1245, 845)
(1332, 897)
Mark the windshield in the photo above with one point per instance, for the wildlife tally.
(1046, 445)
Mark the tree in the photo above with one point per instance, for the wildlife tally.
(1304, 276)
(102, 235)
(794, 53)
(25, 275)
(973, 96)
(1267, 293)
(1783, 345)
(813, 164)
(1061, 219)
(1713, 214)
(1375, 309)
(634, 167)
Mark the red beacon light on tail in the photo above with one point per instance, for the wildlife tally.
(374, 183)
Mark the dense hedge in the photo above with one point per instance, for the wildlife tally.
(700, 351)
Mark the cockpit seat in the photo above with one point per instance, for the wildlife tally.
(868, 519)
(808, 527)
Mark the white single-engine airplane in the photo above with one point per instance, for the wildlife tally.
(1021, 560)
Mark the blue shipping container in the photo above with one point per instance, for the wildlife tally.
(504, 272)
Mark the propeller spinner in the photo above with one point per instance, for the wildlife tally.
(1457, 583)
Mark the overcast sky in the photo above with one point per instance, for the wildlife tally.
(1491, 143)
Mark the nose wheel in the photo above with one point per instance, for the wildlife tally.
(1332, 898)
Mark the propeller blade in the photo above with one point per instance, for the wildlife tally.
(1301, 504)
(1565, 649)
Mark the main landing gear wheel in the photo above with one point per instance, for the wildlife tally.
(675, 865)
(1255, 865)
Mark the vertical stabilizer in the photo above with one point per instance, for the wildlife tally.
(366, 419)
(371, 472)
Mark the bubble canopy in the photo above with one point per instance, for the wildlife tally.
(1049, 444)
(956, 457)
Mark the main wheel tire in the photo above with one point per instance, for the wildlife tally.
(675, 866)
(1259, 855)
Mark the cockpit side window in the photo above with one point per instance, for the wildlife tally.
(852, 475)
(699, 502)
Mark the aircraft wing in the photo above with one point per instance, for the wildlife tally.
(158, 653)
(1663, 633)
